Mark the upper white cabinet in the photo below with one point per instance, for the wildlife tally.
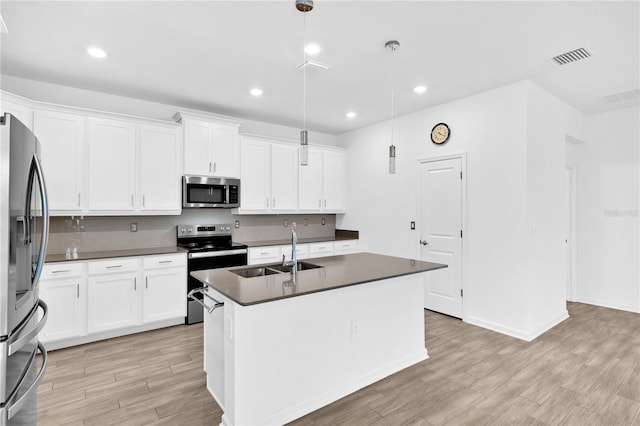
(112, 165)
(159, 169)
(323, 181)
(211, 146)
(269, 177)
(62, 138)
(17, 107)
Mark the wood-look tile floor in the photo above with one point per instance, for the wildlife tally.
(585, 371)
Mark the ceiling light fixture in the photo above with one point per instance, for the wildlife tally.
(351, 114)
(312, 49)
(96, 52)
(304, 6)
(392, 45)
(256, 92)
(420, 89)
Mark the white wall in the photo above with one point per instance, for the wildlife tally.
(502, 131)
(65, 95)
(608, 186)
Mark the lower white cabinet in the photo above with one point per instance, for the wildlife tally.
(63, 289)
(345, 247)
(321, 249)
(87, 298)
(264, 254)
(272, 254)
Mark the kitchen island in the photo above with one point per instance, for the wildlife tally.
(284, 345)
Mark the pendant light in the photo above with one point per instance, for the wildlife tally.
(304, 6)
(392, 45)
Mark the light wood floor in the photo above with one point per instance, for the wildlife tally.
(584, 371)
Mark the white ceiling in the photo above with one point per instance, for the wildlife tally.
(207, 54)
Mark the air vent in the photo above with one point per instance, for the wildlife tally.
(573, 56)
(629, 95)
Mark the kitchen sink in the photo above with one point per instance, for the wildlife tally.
(275, 268)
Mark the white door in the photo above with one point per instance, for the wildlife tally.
(159, 172)
(225, 151)
(164, 291)
(441, 233)
(255, 176)
(197, 148)
(284, 177)
(112, 301)
(310, 182)
(334, 181)
(64, 300)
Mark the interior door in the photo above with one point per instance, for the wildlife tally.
(441, 233)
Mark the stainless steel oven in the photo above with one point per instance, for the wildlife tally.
(211, 192)
(209, 247)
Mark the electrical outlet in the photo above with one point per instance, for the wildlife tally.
(413, 225)
(237, 224)
(285, 223)
(306, 222)
(133, 227)
(324, 222)
(355, 329)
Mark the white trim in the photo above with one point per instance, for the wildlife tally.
(608, 304)
(463, 167)
(516, 332)
(572, 291)
(216, 119)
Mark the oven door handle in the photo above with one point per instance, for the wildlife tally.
(203, 291)
(216, 253)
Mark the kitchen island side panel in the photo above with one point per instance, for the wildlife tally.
(287, 358)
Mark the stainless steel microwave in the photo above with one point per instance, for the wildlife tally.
(212, 192)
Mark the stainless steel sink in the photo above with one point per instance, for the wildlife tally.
(275, 268)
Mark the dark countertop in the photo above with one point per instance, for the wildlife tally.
(337, 272)
(92, 255)
(287, 241)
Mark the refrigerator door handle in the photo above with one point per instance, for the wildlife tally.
(35, 164)
(21, 337)
(14, 407)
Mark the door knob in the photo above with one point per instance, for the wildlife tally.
(424, 242)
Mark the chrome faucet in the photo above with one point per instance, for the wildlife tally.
(293, 263)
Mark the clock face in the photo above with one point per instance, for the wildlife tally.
(440, 133)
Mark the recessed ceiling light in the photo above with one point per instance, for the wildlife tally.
(420, 89)
(96, 52)
(256, 92)
(312, 49)
(351, 114)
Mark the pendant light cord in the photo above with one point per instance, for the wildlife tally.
(393, 49)
(304, 71)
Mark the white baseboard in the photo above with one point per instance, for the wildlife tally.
(515, 332)
(609, 304)
(332, 395)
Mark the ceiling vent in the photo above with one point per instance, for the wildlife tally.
(629, 95)
(573, 56)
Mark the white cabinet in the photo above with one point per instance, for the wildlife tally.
(63, 289)
(112, 165)
(345, 247)
(302, 251)
(320, 249)
(159, 170)
(265, 254)
(210, 146)
(165, 287)
(16, 108)
(61, 138)
(269, 177)
(323, 181)
(112, 300)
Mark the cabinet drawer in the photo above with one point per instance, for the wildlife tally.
(113, 266)
(164, 261)
(302, 251)
(61, 270)
(321, 249)
(345, 246)
(267, 252)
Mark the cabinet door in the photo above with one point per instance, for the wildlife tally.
(61, 140)
(284, 177)
(112, 165)
(225, 151)
(112, 301)
(310, 182)
(165, 292)
(197, 148)
(334, 181)
(159, 171)
(64, 298)
(255, 176)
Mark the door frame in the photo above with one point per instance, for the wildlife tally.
(572, 287)
(463, 164)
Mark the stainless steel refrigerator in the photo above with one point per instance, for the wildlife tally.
(24, 225)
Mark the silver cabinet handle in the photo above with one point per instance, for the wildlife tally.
(78, 199)
(114, 266)
(267, 202)
(146, 282)
(203, 291)
(319, 204)
(78, 291)
(274, 202)
(61, 271)
(325, 203)
(214, 167)
(142, 200)
(135, 284)
(424, 242)
(131, 200)
(165, 261)
(209, 166)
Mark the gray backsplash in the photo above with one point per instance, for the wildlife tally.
(97, 233)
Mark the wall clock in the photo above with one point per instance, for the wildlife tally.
(440, 133)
